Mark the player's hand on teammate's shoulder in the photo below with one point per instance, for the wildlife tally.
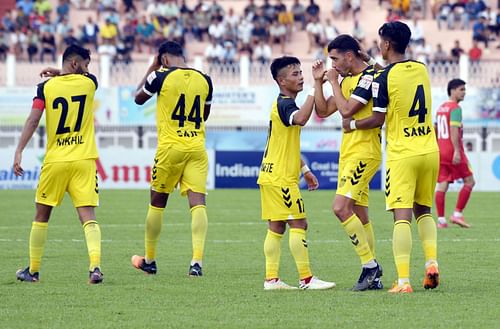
(49, 72)
(311, 180)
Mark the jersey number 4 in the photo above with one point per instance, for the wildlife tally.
(194, 115)
(418, 107)
(63, 103)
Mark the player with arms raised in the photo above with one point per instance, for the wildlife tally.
(281, 201)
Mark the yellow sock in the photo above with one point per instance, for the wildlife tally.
(401, 247)
(199, 225)
(93, 239)
(358, 237)
(154, 220)
(38, 237)
(298, 247)
(370, 237)
(272, 251)
(428, 236)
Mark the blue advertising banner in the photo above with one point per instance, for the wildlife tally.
(236, 169)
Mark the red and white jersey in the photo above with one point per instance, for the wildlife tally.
(448, 115)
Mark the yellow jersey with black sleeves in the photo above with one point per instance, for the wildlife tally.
(361, 144)
(182, 95)
(69, 117)
(402, 90)
(281, 160)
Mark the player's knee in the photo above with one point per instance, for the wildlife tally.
(341, 211)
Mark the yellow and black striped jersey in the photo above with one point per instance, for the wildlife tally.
(182, 95)
(281, 160)
(360, 144)
(403, 91)
(69, 117)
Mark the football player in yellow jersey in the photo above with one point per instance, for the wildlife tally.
(184, 96)
(402, 98)
(69, 164)
(281, 201)
(360, 151)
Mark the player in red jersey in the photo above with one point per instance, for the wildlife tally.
(453, 161)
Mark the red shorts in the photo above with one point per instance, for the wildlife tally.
(449, 172)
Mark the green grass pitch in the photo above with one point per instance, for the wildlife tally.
(230, 294)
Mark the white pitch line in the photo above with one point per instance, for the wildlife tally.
(253, 241)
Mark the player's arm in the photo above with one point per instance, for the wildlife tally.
(28, 131)
(208, 101)
(310, 178)
(347, 107)
(146, 88)
(380, 102)
(455, 123)
(369, 60)
(324, 105)
(300, 117)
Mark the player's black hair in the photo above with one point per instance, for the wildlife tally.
(76, 50)
(344, 43)
(171, 48)
(397, 33)
(454, 84)
(282, 62)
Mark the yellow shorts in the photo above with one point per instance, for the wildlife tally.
(281, 203)
(354, 179)
(411, 180)
(172, 167)
(78, 178)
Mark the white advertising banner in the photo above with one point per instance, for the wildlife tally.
(117, 168)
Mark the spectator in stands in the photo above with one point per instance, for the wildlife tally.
(215, 10)
(4, 44)
(393, 16)
(108, 32)
(170, 10)
(445, 15)
(285, 18)
(17, 40)
(217, 28)
(491, 21)
(90, 31)
(22, 20)
(337, 9)
(268, 11)
(312, 11)
(202, 23)
(232, 19)
(262, 53)
(358, 32)
(374, 51)
(423, 52)
(440, 56)
(8, 21)
(32, 42)
(129, 6)
(176, 32)
(259, 32)
(145, 31)
(456, 52)
(315, 33)
(277, 33)
(70, 39)
(475, 53)
(128, 34)
(299, 13)
(214, 52)
(62, 29)
(27, 6)
(62, 10)
(417, 30)
(250, 10)
(331, 32)
(479, 31)
(48, 46)
(229, 56)
(244, 34)
(43, 8)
